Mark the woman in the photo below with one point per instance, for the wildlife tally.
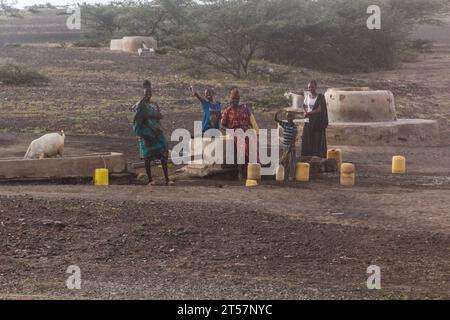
(314, 138)
(238, 116)
(152, 143)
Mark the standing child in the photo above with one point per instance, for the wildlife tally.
(211, 109)
(288, 156)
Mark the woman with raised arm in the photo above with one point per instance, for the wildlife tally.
(212, 109)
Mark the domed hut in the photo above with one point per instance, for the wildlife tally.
(116, 45)
(132, 44)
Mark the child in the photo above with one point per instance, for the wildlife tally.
(288, 156)
(211, 109)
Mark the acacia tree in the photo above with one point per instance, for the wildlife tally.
(157, 18)
(227, 34)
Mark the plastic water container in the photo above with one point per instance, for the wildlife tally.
(101, 177)
(302, 172)
(251, 183)
(254, 124)
(280, 173)
(348, 174)
(254, 171)
(398, 165)
(337, 155)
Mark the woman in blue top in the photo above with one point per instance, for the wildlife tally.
(212, 109)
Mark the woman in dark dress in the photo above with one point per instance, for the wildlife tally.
(314, 138)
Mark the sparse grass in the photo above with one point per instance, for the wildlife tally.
(162, 51)
(12, 73)
(271, 72)
(12, 45)
(87, 43)
(271, 102)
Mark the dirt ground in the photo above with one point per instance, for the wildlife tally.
(214, 238)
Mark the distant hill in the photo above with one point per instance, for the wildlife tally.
(42, 27)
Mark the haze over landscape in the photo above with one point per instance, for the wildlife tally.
(27, 3)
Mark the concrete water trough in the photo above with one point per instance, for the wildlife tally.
(82, 166)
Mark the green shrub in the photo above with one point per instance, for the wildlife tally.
(12, 73)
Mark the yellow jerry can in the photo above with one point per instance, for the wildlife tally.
(302, 172)
(251, 183)
(348, 174)
(398, 165)
(254, 171)
(101, 177)
(337, 155)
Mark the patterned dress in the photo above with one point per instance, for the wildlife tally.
(239, 118)
(146, 125)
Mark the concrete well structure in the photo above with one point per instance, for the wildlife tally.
(352, 105)
(364, 117)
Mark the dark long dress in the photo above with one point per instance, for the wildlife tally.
(314, 138)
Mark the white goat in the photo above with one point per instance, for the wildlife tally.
(47, 146)
(296, 99)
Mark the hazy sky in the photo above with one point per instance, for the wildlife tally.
(25, 3)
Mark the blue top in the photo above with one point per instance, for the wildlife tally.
(211, 115)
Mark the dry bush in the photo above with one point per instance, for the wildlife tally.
(12, 73)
